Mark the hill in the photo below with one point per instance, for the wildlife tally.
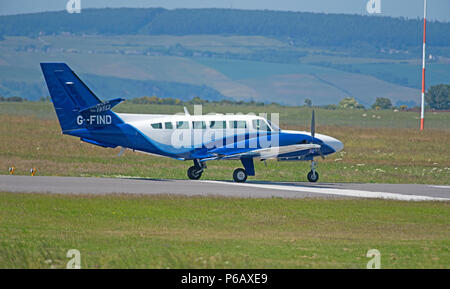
(223, 53)
(315, 29)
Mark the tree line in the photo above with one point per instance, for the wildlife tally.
(437, 97)
(300, 28)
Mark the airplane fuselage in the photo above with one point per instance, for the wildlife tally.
(188, 137)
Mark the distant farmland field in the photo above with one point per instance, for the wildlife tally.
(238, 67)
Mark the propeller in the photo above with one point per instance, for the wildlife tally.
(313, 130)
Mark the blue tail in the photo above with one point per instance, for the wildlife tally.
(75, 104)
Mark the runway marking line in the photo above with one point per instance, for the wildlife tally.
(441, 187)
(338, 192)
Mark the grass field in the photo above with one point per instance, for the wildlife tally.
(31, 137)
(119, 231)
(123, 231)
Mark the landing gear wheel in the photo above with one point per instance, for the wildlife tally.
(313, 176)
(239, 175)
(194, 173)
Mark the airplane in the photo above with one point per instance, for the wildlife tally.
(197, 138)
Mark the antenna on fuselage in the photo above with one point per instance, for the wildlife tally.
(186, 111)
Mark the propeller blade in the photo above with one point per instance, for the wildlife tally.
(313, 131)
(321, 154)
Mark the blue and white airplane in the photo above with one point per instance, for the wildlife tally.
(199, 138)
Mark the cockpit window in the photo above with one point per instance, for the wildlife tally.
(157, 125)
(260, 124)
(274, 126)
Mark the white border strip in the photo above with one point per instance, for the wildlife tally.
(338, 192)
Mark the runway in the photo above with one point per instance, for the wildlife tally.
(251, 189)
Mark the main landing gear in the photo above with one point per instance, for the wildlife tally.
(313, 176)
(239, 175)
(195, 172)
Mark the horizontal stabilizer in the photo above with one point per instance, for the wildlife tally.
(98, 143)
(100, 107)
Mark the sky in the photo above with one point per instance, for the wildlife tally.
(437, 9)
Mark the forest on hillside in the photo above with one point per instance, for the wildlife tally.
(301, 28)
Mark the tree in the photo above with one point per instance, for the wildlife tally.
(349, 103)
(382, 103)
(197, 100)
(308, 102)
(438, 96)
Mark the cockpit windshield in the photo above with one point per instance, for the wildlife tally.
(274, 126)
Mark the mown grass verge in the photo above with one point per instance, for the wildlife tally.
(37, 230)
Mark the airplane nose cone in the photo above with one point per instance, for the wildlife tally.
(335, 144)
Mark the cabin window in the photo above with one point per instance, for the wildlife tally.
(260, 124)
(182, 125)
(238, 124)
(157, 125)
(199, 125)
(218, 124)
(168, 125)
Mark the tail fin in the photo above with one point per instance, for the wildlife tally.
(72, 98)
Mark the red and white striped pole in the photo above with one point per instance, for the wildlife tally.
(423, 64)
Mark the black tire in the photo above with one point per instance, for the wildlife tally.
(313, 177)
(239, 175)
(194, 173)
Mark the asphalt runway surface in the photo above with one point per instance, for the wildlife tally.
(250, 189)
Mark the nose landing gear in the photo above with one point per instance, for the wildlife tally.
(194, 173)
(313, 176)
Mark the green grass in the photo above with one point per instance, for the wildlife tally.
(123, 231)
(31, 137)
(288, 115)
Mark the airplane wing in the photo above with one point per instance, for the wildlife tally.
(266, 153)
